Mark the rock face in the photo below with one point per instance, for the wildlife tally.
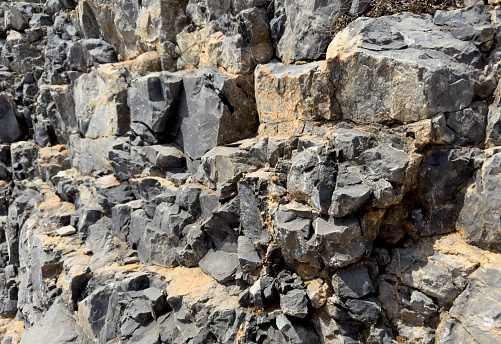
(216, 171)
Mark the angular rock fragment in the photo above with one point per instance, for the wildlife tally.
(221, 167)
(220, 265)
(52, 160)
(24, 157)
(478, 219)
(493, 133)
(10, 130)
(90, 155)
(312, 177)
(294, 303)
(473, 318)
(309, 40)
(349, 199)
(248, 257)
(353, 282)
(214, 110)
(292, 106)
(153, 101)
(294, 332)
(338, 241)
(387, 162)
(418, 82)
(68, 330)
(101, 102)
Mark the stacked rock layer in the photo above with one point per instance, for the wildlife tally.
(225, 171)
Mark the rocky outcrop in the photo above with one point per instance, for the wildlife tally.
(228, 172)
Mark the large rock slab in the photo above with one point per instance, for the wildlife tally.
(90, 155)
(288, 96)
(55, 113)
(474, 318)
(405, 84)
(300, 29)
(67, 331)
(153, 101)
(479, 218)
(133, 28)
(411, 72)
(214, 110)
(10, 130)
(101, 102)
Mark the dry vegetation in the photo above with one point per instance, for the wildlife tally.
(378, 8)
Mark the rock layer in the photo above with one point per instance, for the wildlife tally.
(228, 172)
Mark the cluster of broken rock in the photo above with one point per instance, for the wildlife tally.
(224, 171)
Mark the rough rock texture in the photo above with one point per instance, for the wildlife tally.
(226, 171)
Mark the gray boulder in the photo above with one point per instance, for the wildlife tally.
(389, 51)
(352, 282)
(479, 216)
(10, 129)
(220, 265)
(67, 331)
(338, 241)
(349, 199)
(295, 332)
(101, 102)
(309, 40)
(469, 124)
(473, 318)
(24, 160)
(153, 101)
(214, 110)
(221, 168)
(385, 161)
(292, 233)
(294, 303)
(312, 177)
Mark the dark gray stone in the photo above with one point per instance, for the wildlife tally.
(292, 233)
(214, 110)
(309, 40)
(67, 331)
(494, 120)
(10, 130)
(98, 51)
(153, 101)
(469, 124)
(349, 199)
(312, 178)
(422, 303)
(389, 163)
(479, 215)
(338, 241)
(24, 160)
(110, 192)
(352, 282)
(294, 303)
(220, 265)
(443, 172)
(250, 217)
(366, 310)
(353, 142)
(295, 332)
(155, 247)
(221, 168)
(473, 310)
(247, 255)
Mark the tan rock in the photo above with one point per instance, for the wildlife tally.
(317, 292)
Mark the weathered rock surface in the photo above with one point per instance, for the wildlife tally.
(163, 180)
